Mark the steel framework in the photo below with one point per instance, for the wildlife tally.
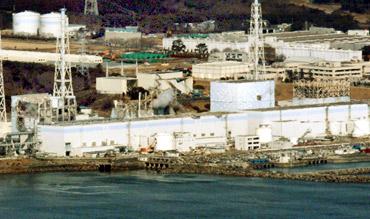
(2, 92)
(91, 7)
(256, 42)
(82, 67)
(321, 89)
(63, 89)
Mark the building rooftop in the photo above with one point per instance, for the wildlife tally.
(118, 78)
(198, 115)
(223, 64)
(240, 81)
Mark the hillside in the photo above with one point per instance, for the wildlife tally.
(158, 15)
(360, 11)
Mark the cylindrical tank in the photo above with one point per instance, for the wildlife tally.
(164, 142)
(264, 132)
(361, 128)
(26, 23)
(50, 25)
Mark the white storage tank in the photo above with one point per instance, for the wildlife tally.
(361, 128)
(26, 23)
(264, 132)
(50, 25)
(164, 142)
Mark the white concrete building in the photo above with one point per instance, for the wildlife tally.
(217, 70)
(289, 122)
(227, 41)
(127, 33)
(235, 96)
(247, 142)
(292, 51)
(358, 32)
(114, 85)
(334, 70)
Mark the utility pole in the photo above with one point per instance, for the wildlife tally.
(2, 91)
(256, 42)
(63, 88)
(91, 7)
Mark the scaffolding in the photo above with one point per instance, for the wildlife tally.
(321, 89)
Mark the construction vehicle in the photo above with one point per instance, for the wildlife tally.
(109, 54)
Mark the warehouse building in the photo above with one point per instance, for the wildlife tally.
(317, 43)
(127, 33)
(217, 70)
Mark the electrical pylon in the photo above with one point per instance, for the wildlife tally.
(91, 7)
(3, 117)
(256, 42)
(63, 88)
(82, 67)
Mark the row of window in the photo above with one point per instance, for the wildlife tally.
(103, 143)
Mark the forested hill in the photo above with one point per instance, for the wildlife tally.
(359, 6)
(157, 15)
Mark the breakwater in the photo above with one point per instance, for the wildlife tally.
(356, 175)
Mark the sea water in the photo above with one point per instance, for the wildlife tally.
(141, 194)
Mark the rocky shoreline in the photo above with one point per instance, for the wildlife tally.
(355, 175)
(33, 165)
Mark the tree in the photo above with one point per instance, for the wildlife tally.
(178, 46)
(202, 50)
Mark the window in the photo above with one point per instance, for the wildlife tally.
(259, 97)
(212, 134)
(203, 134)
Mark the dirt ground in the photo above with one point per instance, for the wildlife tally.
(363, 19)
(285, 92)
(46, 45)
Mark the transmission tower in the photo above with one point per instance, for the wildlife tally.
(91, 7)
(2, 92)
(63, 88)
(256, 42)
(82, 67)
